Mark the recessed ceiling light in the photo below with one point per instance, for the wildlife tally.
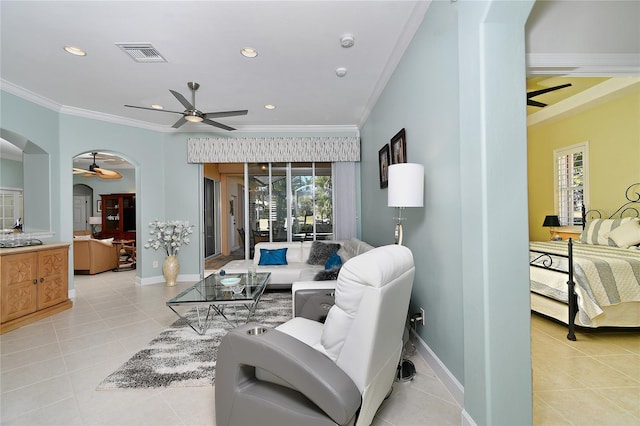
(249, 52)
(157, 106)
(75, 50)
(270, 106)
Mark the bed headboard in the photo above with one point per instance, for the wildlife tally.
(631, 207)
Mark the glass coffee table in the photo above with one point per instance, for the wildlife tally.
(213, 297)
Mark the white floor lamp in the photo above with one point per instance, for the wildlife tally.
(406, 189)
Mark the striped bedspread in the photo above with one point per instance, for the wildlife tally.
(604, 275)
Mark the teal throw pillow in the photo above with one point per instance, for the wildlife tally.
(333, 262)
(273, 257)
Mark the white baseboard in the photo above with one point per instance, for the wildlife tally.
(160, 279)
(467, 420)
(452, 384)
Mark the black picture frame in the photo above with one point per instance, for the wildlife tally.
(384, 160)
(98, 206)
(399, 148)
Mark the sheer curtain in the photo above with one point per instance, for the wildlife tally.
(344, 200)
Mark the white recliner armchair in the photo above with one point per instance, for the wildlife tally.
(307, 373)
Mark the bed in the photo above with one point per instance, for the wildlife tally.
(594, 281)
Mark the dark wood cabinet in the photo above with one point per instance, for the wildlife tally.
(119, 216)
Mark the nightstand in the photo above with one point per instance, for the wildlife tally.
(566, 232)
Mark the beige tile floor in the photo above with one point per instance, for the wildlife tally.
(49, 370)
(593, 381)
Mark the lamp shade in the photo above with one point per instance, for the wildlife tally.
(406, 185)
(95, 220)
(551, 220)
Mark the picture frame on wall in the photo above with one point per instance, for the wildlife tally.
(384, 161)
(99, 206)
(399, 148)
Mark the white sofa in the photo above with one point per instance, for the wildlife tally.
(297, 268)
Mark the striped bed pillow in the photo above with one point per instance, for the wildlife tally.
(597, 230)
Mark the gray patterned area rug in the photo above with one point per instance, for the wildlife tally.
(181, 357)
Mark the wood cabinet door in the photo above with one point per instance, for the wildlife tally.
(19, 285)
(52, 277)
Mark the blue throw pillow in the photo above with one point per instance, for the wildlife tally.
(334, 261)
(273, 257)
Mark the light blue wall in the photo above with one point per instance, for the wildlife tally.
(18, 120)
(422, 97)
(10, 174)
(166, 186)
(458, 92)
(142, 148)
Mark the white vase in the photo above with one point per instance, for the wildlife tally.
(170, 269)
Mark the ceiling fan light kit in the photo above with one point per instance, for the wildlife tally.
(193, 115)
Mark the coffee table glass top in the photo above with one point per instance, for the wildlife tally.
(211, 290)
(210, 297)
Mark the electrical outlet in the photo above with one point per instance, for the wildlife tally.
(155, 263)
(422, 315)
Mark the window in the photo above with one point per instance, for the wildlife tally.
(305, 214)
(571, 182)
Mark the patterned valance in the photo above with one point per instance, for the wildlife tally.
(273, 149)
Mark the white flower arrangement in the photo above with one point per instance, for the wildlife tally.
(169, 235)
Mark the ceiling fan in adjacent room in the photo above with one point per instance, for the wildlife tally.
(95, 170)
(535, 93)
(194, 115)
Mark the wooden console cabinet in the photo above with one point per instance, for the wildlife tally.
(34, 284)
(119, 216)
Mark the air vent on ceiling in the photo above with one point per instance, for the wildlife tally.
(141, 52)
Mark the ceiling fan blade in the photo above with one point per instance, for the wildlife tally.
(107, 174)
(77, 171)
(531, 102)
(225, 113)
(547, 90)
(89, 175)
(179, 122)
(118, 176)
(154, 109)
(182, 100)
(216, 124)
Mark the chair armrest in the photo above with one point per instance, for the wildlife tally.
(308, 371)
(313, 299)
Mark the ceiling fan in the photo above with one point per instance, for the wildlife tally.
(94, 171)
(542, 91)
(194, 115)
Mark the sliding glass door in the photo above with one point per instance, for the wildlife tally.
(290, 201)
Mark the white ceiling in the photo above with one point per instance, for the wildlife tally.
(298, 44)
(298, 52)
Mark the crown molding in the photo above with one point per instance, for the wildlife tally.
(584, 65)
(110, 118)
(28, 95)
(409, 31)
(194, 128)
